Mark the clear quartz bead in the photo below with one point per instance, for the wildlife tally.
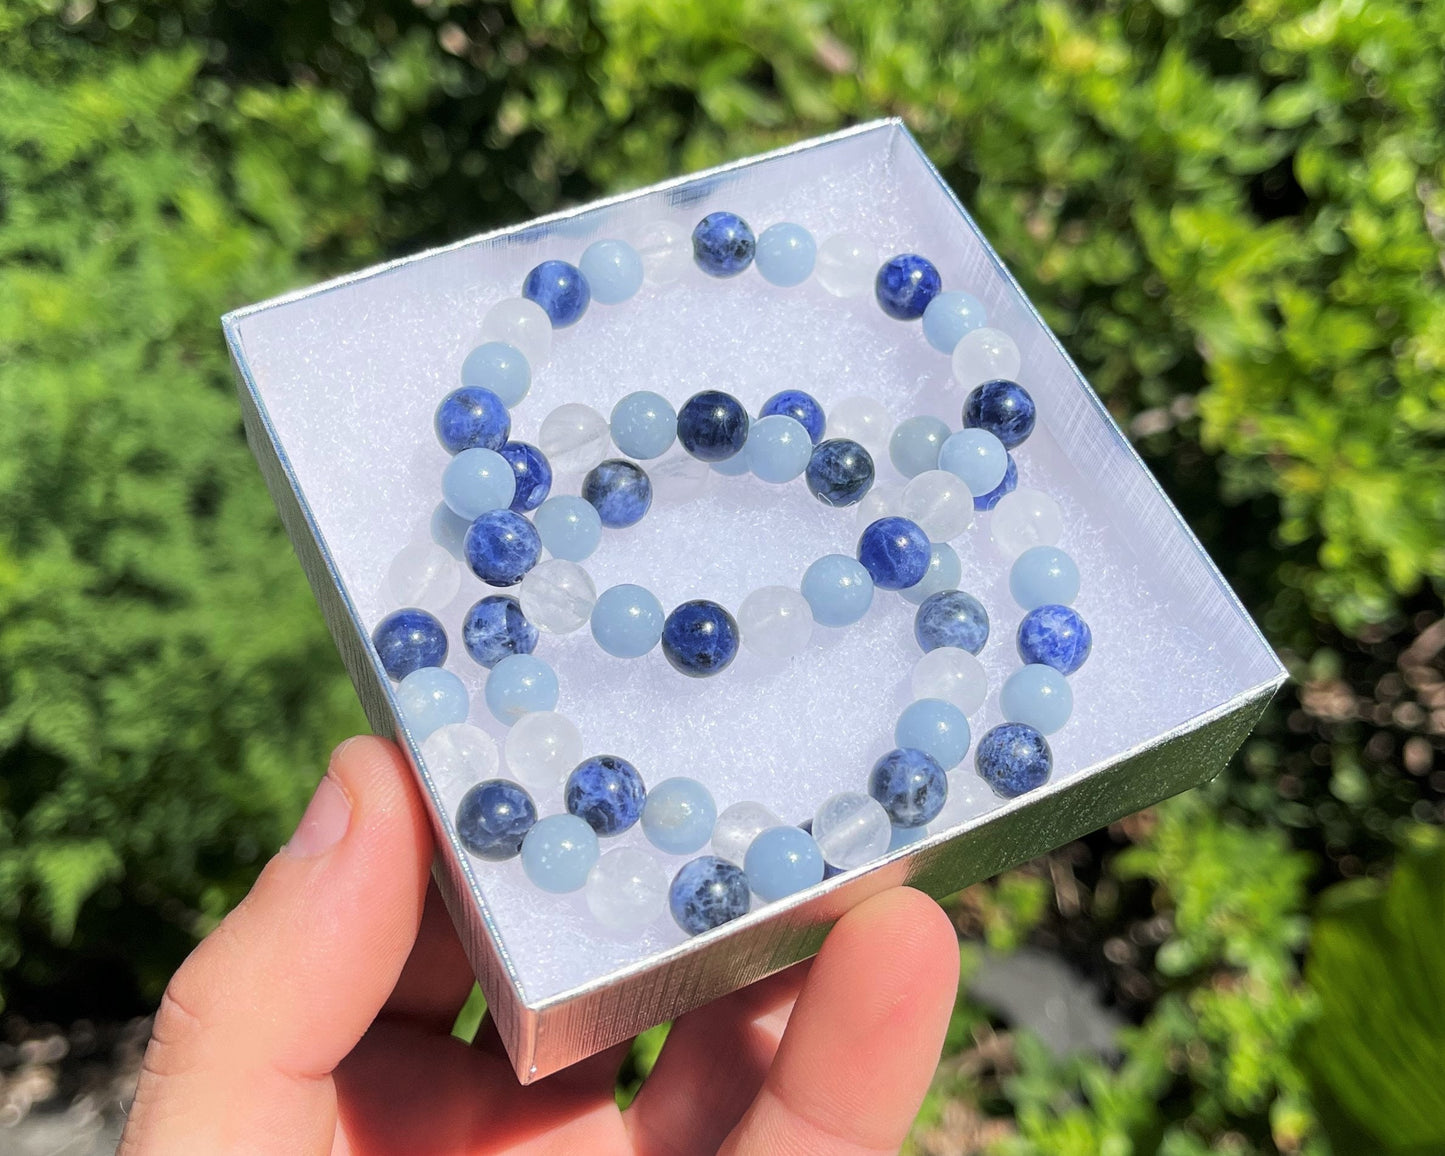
(542, 749)
(776, 622)
(459, 755)
(626, 889)
(737, 827)
(882, 501)
(953, 675)
(424, 574)
(940, 503)
(983, 355)
(522, 324)
(574, 438)
(863, 420)
(666, 250)
(852, 829)
(1024, 519)
(678, 478)
(847, 264)
(557, 596)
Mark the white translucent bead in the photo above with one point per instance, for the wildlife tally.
(459, 754)
(626, 889)
(737, 827)
(424, 574)
(940, 503)
(542, 748)
(882, 501)
(852, 829)
(678, 478)
(557, 596)
(982, 355)
(1025, 519)
(953, 675)
(864, 421)
(666, 251)
(776, 621)
(574, 437)
(523, 325)
(847, 265)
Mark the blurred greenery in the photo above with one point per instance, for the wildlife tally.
(1232, 213)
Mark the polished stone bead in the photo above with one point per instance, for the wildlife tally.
(1038, 696)
(953, 675)
(944, 572)
(700, 638)
(500, 368)
(723, 245)
(612, 270)
(1010, 483)
(493, 818)
(951, 618)
(982, 355)
(557, 596)
(620, 490)
(781, 861)
(838, 589)
(895, 552)
(881, 501)
(1024, 519)
(501, 546)
(840, 472)
(627, 621)
(478, 480)
(906, 837)
(532, 473)
(679, 816)
(708, 892)
(430, 698)
(558, 853)
(863, 420)
(542, 748)
(574, 437)
(423, 574)
(666, 251)
(496, 628)
(737, 827)
(785, 254)
(1004, 408)
(778, 448)
(569, 527)
(847, 265)
(1056, 636)
(905, 285)
(449, 530)
(560, 289)
(679, 478)
(519, 684)
(470, 417)
(851, 830)
(949, 316)
(408, 640)
(910, 785)
(608, 792)
(1043, 575)
(712, 425)
(800, 406)
(776, 622)
(1013, 758)
(644, 425)
(522, 324)
(626, 889)
(735, 466)
(915, 444)
(939, 503)
(937, 728)
(977, 457)
(459, 753)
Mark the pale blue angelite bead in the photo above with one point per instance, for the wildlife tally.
(976, 456)
(778, 447)
(569, 527)
(500, 367)
(613, 270)
(518, 685)
(558, 852)
(782, 860)
(936, 728)
(478, 480)
(1038, 696)
(915, 445)
(644, 425)
(735, 466)
(949, 316)
(430, 698)
(627, 620)
(906, 837)
(838, 589)
(785, 254)
(944, 572)
(679, 816)
(1043, 575)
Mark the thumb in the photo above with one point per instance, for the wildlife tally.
(255, 1020)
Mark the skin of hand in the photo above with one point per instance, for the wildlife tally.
(315, 1021)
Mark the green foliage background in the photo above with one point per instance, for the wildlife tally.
(1232, 213)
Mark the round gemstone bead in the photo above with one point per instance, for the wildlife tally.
(627, 621)
(1004, 408)
(493, 818)
(666, 251)
(735, 466)
(531, 473)
(1043, 575)
(644, 425)
(799, 406)
(500, 368)
(778, 448)
(905, 285)
(910, 786)
(882, 501)
(977, 457)
(495, 628)
(449, 530)
(679, 478)
(558, 853)
(700, 638)
(951, 618)
(712, 425)
(723, 245)
(459, 753)
(612, 270)
(838, 590)
(1055, 636)
(626, 889)
(620, 490)
(607, 792)
(776, 622)
(852, 830)
(408, 640)
(1024, 519)
(937, 728)
(542, 748)
(1010, 483)
(781, 861)
(847, 265)
(863, 420)
(1038, 696)
(949, 316)
(519, 684)
(939, 503)
(470, 417)
(679, 816)
(569, 527)
(501, 546)
(478, 480)
(915, 443)
(707, 893)
(737, 827)
(574, 437)
(522, 324)
(1013, 758)
(982, 355)
(953, 675)
(945, 570)
(895, 552)
(785, 254)
(906, 837)
(560, 289)
(430, 698)
(423, 573)
(557, 596)
(840, 472)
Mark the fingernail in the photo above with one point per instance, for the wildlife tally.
(325, 822)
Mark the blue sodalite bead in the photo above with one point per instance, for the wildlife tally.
(643, 425)
(778, 448)
(723, 245)
(501, 546)
(1055, 636)
(532, 472)
(495, 628)
(558, 852)
(499, 367)
(627, 620)
(949, 316)
(781, 861)
(613, 271)
(494, 817)
(951, 618)
(708, 892)
(1039, 696)
(1042, 575)
(1009, 484)
(915, 444)
(1004, 408)
(679, 816)
(520, 684)
(712, 425)
(407, 640)
(478, 480)
(935, 727)
(1013, 758)
(838, 590)
(840, 472)
(895, 552)
(470, 417)
(785, 254)
(911, 786)
(607, 792)
(906, 284)
(569, 527)
(620, 491)
(799, 406)
(700, 638)
(561, 290)
(430, 698)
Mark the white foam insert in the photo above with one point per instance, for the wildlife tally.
(350, 377)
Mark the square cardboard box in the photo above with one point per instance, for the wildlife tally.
(338, 384)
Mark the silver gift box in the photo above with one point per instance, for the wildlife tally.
(336, 385)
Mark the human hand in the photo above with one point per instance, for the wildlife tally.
(316, 1019)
